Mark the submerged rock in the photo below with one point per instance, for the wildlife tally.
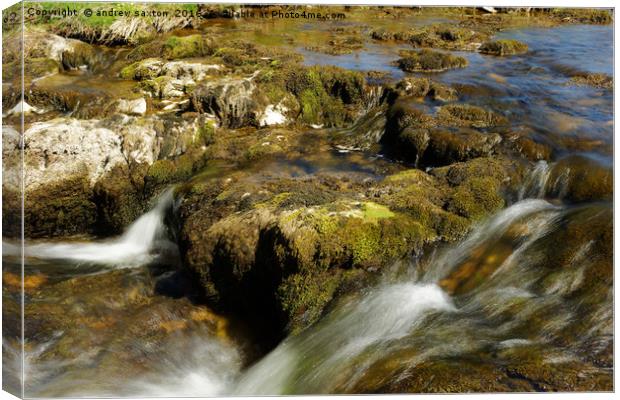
(503, 47)
(426, 88)
(600, 81)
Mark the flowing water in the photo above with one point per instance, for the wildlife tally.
(527, 289)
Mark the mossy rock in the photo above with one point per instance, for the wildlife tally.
(166, 171)
(583, 15)
(413, 135)
(503, 47)
(119, 200)
(470, 116)
(531, 149)
(599, 81)
(476, 199)
(580, 179)
(142, 70)
(176, 47)
(429, 61)
(296, 257)
(64, 208)
(325, 93)
(441, 36)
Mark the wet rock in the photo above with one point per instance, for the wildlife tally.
(327, 95)
(429, 61)
(424, 87)
(340, 45)
(153, 67)
(503, 47)
(445, 147)
(84, 57)
(481, 184)
(422, 139)
(582, 15)
(579, 179)
(284, 248)
(532, 149)
(291, 246)
(79, 103)
(145, 69)
(470, 116)
(176, 47)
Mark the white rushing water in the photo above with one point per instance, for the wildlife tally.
(134, 247)
(387, 314)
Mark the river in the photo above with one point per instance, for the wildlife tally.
(531, 283)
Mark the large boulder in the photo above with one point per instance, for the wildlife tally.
(285, 248)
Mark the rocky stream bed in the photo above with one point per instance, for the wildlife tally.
(405, 200)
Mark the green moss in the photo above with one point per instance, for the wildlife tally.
(477, 198)
(373, 212)
(504, 47)
(162, 171)
(304, 296)
(366, 234)
(471, 116)
(325, 92)
(429, 61)
(177, 47)
(142, 70)
(128, 72)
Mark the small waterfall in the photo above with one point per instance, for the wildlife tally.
(134, 247)
(535, 184)
(526, 210)
(308, 363)
(405, 324)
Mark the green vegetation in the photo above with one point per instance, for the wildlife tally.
(583, 15)
(503, 47)
(177, 47)
(479, 198)
(325, 93)
(429, 61)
